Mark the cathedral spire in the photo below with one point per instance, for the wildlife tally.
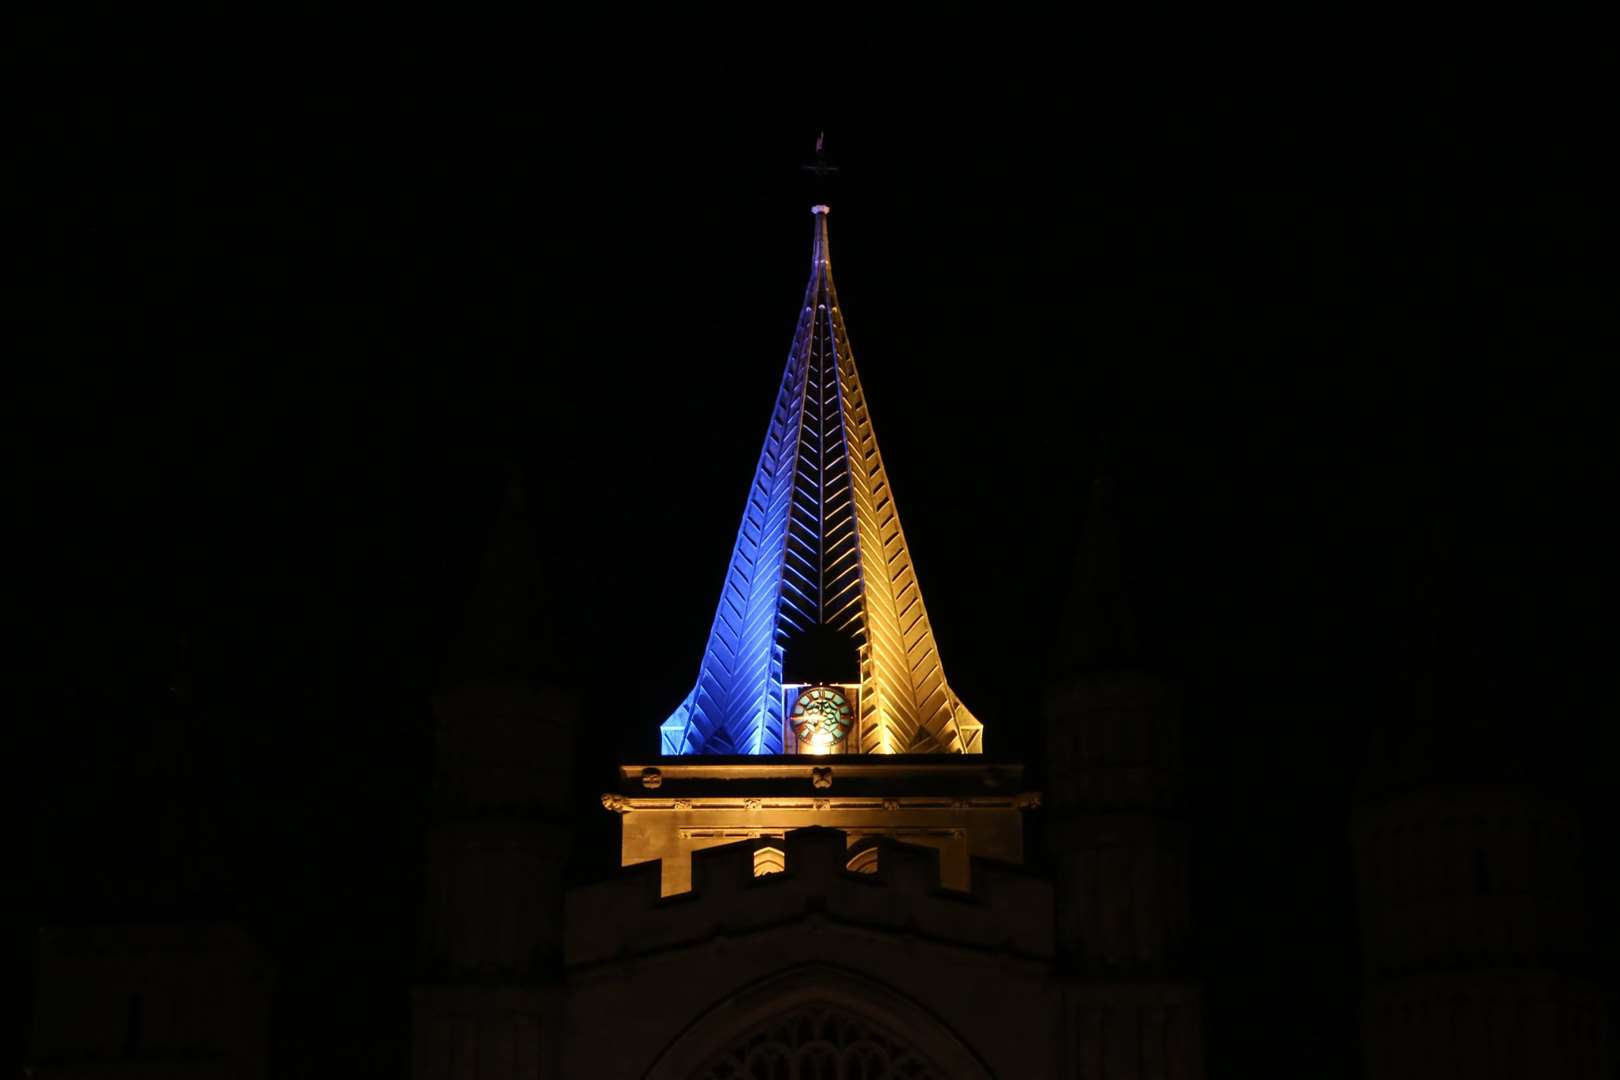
(820, 558)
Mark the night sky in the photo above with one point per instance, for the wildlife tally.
(284, 327)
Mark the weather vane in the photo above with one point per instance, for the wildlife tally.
(822, 169)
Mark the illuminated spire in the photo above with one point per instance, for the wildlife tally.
(820, 551)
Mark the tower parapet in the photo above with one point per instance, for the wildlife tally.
(499, 837)
(1116, 836)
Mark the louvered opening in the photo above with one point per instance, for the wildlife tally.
(821, 654)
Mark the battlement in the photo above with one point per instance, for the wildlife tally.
(882, 885)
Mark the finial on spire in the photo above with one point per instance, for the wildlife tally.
(822, 171)
(821, 168)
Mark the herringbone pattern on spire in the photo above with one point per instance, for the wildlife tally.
(820, 544)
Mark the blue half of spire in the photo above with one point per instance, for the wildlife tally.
(773, 583)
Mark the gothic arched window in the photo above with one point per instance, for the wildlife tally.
(820, 1041)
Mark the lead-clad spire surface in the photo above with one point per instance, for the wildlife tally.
(820, 546)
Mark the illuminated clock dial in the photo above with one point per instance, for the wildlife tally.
(821, 718)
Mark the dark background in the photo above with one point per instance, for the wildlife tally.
(287, 311)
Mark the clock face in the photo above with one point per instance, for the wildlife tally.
(821, 718)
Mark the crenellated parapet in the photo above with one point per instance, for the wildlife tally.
(883, 886)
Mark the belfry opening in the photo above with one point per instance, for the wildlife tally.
(821, 654)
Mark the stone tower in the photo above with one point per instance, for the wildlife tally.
(1469, 879)
(1116, 835)
(489, 991)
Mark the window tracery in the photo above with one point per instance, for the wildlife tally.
(820, 1041)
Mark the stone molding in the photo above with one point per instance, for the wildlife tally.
(624, 804)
